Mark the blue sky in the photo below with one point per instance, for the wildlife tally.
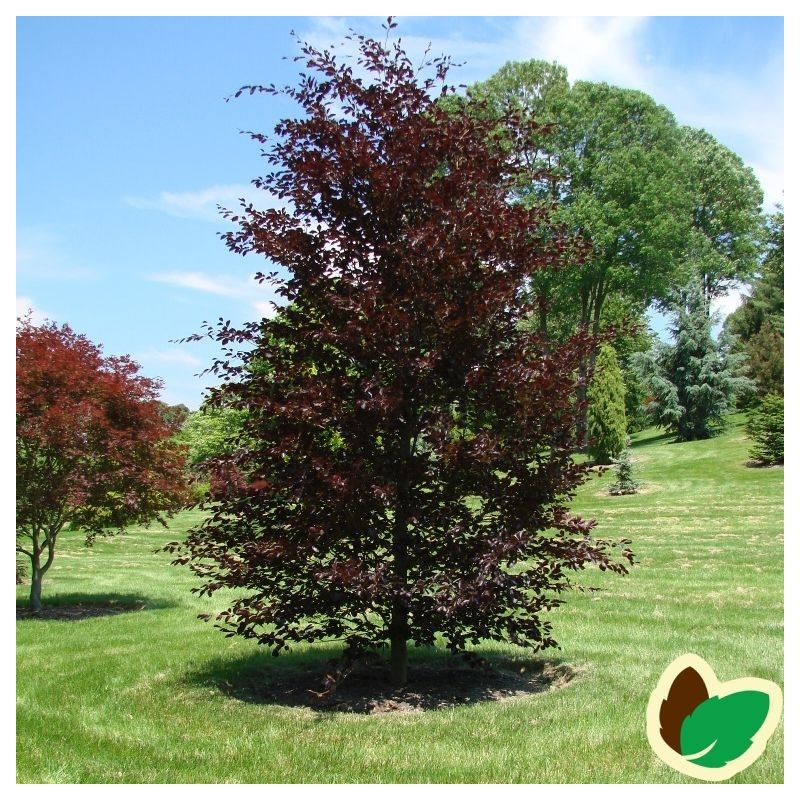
(125, 146)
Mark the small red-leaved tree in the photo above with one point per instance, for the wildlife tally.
(407, 450)
(93, 448)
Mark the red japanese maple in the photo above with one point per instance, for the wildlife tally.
(406, 457)
(92, 444)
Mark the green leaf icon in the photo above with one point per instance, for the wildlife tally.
(721, 729)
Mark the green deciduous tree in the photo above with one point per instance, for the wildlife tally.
(613, 161)
(210, 432)
(606, 415)
(173, 415)
(625, 194)
(726, 198)
(758, 322)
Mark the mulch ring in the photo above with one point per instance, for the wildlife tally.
(367, 689)
(79, 611)
(645, 488)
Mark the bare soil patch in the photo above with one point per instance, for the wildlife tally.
(79, 611)
(367, 689)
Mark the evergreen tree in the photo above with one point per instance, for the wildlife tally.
(764, 351)
(631, 334)
(606, 396)
(765, 428)
(694, 382)
(623, 468)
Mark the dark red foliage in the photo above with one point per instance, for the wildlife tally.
(92, 443)
(407, 457)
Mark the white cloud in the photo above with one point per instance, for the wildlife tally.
(220, 285)
(26, 304)
(173, 355)
(265, 307)
(591, 48)
(203, 203)
(771, 180)
(260, 297)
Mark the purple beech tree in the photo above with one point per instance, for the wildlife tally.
(406, 458)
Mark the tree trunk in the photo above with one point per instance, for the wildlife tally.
(398, 628)
(36, 588)
(591, 308)
(399, 645)
(38, 569)
(581, 422)
(541, 298)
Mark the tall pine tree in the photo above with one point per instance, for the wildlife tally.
(695, 381)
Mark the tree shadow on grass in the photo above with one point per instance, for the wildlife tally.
(78, 606)
(652, 439)
(436, 680)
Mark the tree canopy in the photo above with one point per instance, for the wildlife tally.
(210, 432)
(410, 446)
(724, 244)
(92, 444)
(612, 161)
(758, 322)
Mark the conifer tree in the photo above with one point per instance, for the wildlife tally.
(623, 469)
(765, 428)
(695, 381)
(606, 396)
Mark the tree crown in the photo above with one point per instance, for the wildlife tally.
(410, 446)
(92, 444)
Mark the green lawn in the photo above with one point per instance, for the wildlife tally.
(137, 697)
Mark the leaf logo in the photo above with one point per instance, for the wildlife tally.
(707, 729)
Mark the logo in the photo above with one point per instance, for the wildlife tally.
(707, 729)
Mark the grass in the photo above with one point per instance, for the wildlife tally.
(137, 697)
